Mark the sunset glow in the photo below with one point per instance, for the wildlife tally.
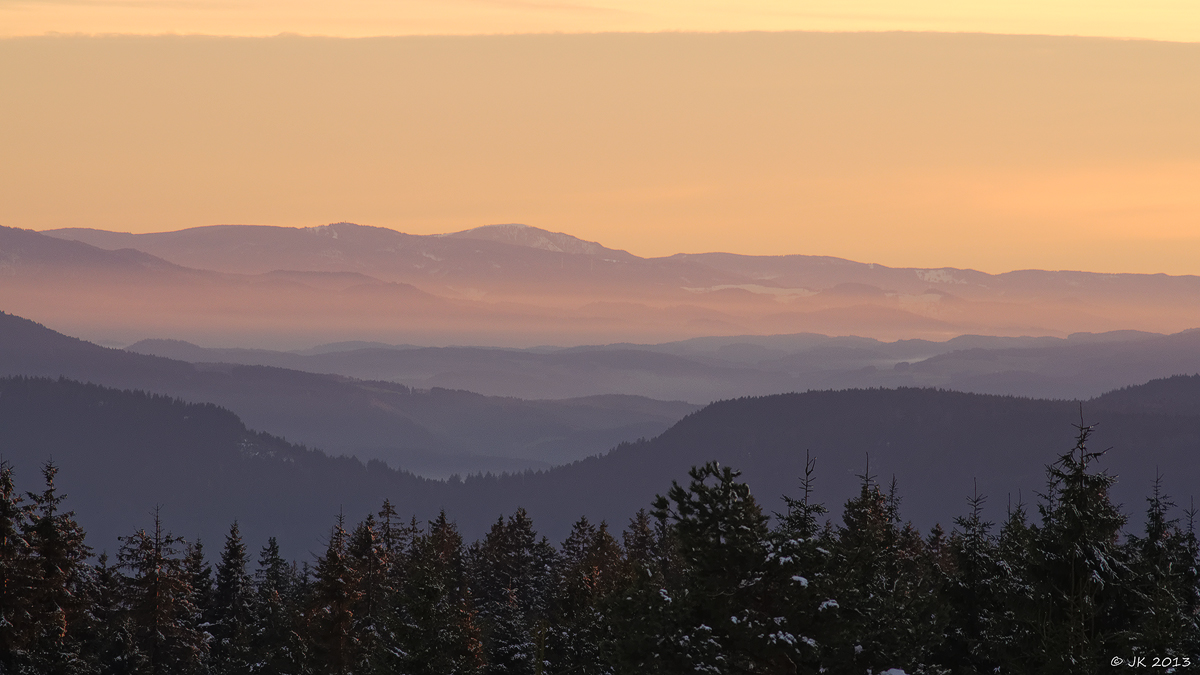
(1177, 20)
(990, 152)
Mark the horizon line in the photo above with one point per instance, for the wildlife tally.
(622, 250)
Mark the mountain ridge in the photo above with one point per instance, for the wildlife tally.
(702, 370)
(584, 283)
(436, 431)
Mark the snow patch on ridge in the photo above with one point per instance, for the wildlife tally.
(942, 276)
(532, 237)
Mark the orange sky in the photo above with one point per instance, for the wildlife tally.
(992, 152)
(1177, 20)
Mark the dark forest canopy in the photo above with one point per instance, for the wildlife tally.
(702, 581)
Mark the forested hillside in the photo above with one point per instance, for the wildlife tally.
(936, 444)
(124, 453)
(435, 432)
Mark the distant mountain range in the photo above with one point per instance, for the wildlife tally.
(434, 432)
(414, 407)
(496, 259)
(703, 370)
(666, 336)
(511, 285)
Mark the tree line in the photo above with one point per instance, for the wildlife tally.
(704, 580)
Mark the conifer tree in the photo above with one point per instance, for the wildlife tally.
(158, 596)
(437, 629)
(976, 596)
(1077, 564)
(331, 616)
(200, 576)
(881, 612)
(725, 612)
(864, 564)
(591, 568)
(641, 612)
(802, 544)
(511, 576)
(16, 621)
(110, 644)
(369, 559)
(58, 598)
(803, 515)
(1015, 547)
(232, 610)
(394, 537)
(1191, 593)
(1163, 594)
(640, 544)
(397, 539)
(277, 647)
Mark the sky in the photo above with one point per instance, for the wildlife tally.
(1053, 146)
(1177, 20)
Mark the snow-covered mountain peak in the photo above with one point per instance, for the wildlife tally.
(534, 237)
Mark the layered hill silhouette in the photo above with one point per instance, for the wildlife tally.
(123, 453)
(528, 257)
(496, 260)
(703, 370)
(435, 432)
(939, 446)
(514, 285)
(93, 291)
